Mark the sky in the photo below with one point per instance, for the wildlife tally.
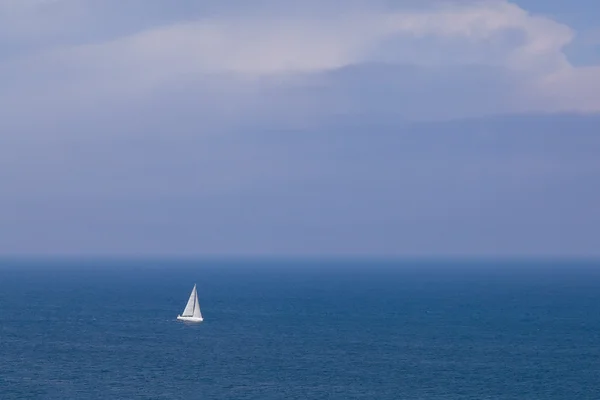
(315, 128)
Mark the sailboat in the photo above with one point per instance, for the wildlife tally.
(192, 313)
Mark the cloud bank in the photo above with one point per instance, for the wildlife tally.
(62, 56)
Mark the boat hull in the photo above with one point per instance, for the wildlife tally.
(190, 319)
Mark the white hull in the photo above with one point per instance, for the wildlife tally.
(190, 319)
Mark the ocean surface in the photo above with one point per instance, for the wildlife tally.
(300, 330)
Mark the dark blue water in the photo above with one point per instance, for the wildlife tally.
(300, 330)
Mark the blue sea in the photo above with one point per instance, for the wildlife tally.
(303, 329)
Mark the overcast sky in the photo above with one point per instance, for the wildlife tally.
(390, 128)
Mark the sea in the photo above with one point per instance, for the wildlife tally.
(300, 329)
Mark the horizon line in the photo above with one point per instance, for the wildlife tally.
(298, 257)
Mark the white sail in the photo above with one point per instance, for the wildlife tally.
(192, 308)
(196, 313)
(189, 307)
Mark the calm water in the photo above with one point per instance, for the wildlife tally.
(292, 330)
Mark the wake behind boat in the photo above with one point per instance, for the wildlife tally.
(192, 313)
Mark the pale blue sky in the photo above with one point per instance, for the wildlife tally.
(388, 128)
